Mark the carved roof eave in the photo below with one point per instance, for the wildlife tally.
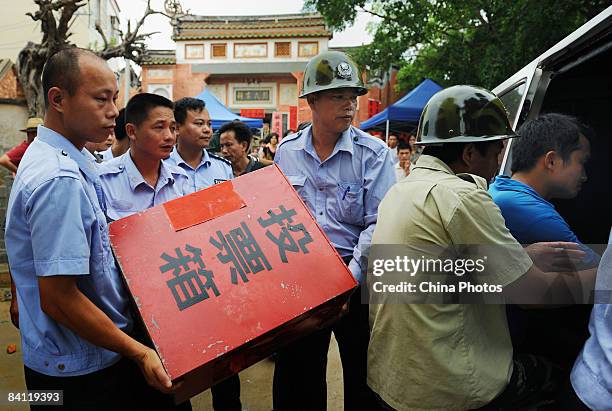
(313, 35)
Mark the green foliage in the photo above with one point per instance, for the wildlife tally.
(479, 42)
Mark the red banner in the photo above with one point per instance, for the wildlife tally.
(277, 123)
(253, 112)
(373, 107)
(293, 123)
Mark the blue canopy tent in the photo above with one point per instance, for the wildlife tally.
(403, 115)
(220, 114)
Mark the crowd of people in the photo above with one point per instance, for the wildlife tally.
(88, 163)
(404, 154)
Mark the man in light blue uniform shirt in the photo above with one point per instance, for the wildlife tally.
(342, 174)
(193, 134)
(74, 310)
(591, 377)
(203, 170)
(139, 179)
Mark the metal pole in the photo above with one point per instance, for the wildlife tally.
(127, 80)
(387, 133)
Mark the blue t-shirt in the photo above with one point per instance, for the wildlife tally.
(531, 219)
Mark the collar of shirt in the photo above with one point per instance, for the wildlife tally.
(344, 143)
(180, 162)
(60, 142)
(136, 179)
(88, 154)
(505, 183)
(433, 163)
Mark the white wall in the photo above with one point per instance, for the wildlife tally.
(16, 29)
(12, 119)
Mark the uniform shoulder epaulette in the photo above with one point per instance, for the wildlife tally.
(366, 140)
(218, 157)
(111, 167)
(174, 170)
(67, 164)
(291, 137)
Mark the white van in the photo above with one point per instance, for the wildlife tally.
(574, 77)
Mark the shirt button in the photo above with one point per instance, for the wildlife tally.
(64, 153)
(46, 363)
(320, 188)
(320, 212)
(61, 367)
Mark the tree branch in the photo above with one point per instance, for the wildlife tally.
(69, 8)
(382, 16)
(132, 44)
(101, 33)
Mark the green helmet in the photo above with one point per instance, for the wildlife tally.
(463, 114)
(330, 70)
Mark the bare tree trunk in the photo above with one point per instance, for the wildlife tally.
(55, 17)
(30, 65)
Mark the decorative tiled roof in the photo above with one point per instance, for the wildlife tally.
(302, 25)
(251, 35)
(5, 66)
(259, 25)
(159, 57)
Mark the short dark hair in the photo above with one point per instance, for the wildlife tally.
(187, 104)
(120, 132)
(139, 106)
(403, 145)
(451, 152)
(62, 70)
(241, 131)
(549, 132)
(269, 137)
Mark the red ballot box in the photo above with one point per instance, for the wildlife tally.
(225, 276)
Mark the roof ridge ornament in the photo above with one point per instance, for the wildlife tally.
(173, 8)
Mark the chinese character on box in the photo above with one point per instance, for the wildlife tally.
(224, 277)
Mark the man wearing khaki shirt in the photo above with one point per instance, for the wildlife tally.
(456, 356)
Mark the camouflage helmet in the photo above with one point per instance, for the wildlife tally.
(463, 114)
(331, 70)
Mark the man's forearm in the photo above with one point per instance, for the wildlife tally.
(66, 304)
(6, 162)
(540, 288)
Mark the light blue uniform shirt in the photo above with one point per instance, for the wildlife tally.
(127, 192)
(592, 373)
(90, 156)
(55, 225)
(342, 192)
(211, 170)
(107, 154)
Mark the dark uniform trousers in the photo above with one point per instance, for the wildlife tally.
(226, 395)
(300, 372)
(118, 387)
